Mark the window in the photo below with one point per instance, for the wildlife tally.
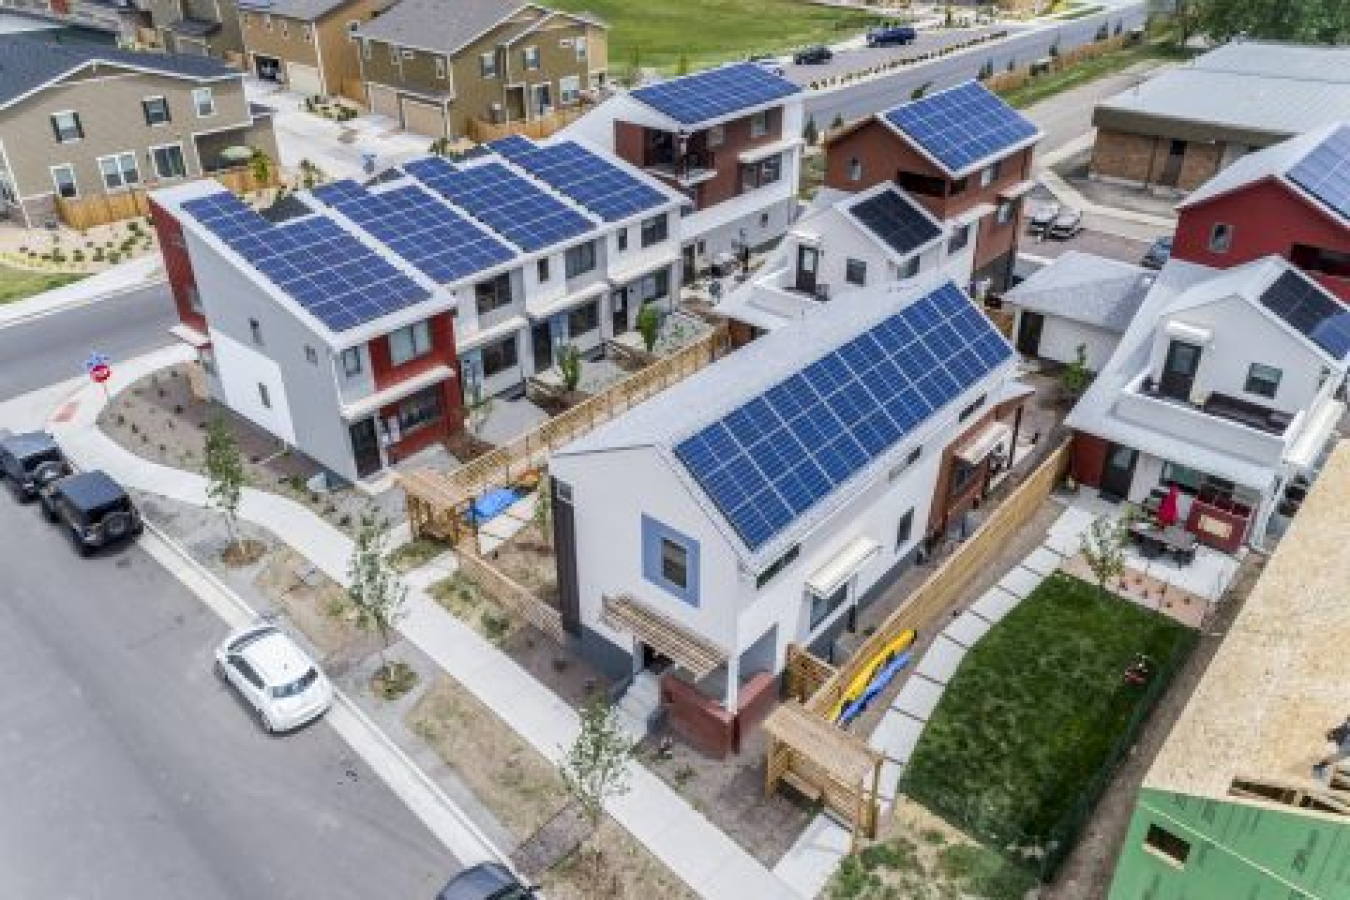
(1161, 841)
(492, 294)
(440, 67)
(821, 607)
(910, 268)
(408, 54)
(926, 185)
(529, 58)
(351, 361)
(655, 230)
(1220, 237)
(499, 357)
(409, 342)
(285, 28)
(255, 331)
(168, 161)
(267, 21)
(960, 238)
(580, 259)
(655, 286)
(970, 409)
(777, 566)
(958, 186)
(717, 135)
(913, 456)
(541, 269)
(307, 32)
(311, 356)
(1005, 212)
(855, 271)
(569, 90)
(583, 319)
(621, 239)
(764, 172)
(580, 46)
(487, 65)
(674, 563)
(66, 126)
(365, 49)
(990, 173)
(759, 124)
(204, 102)
(963, 476)
(903, 530)
(352, 26)
(263, 397)
(194, 298)
(393, 55)
(119, 170)
(1263, 380)
(855, 169)
(420, 409)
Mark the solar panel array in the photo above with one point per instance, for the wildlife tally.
(1325, 172)
(511, 205)
(1312, 312)
(585, 177)
(335, 277)
(896, 221)
(433, 237)
(712, 94)
(779, 454)
(961, 126)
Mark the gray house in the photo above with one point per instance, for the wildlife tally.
(79, 120)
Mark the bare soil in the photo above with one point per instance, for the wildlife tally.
(318, 607)
(528, 560)
(243, 553)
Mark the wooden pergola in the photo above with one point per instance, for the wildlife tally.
(435, 508)
(689, 651)
(825, 763)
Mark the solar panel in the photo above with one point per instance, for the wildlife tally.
(962, 126)
(1311, 311)
(331, 274)
(1325, 172)
(511, 205)
(585, 177)
(715, 93)
(897, 221)
(782, 452)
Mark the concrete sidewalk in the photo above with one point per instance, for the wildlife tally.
(128, 276)
(698, 852)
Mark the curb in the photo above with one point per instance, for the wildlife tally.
(44, 307)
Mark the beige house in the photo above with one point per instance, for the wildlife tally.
(81, 119)
(307, 45)
(494, 61)
(192, 27)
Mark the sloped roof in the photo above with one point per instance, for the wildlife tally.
(716, 94)
(304, 10)
(1082, 287)
(437, 24)
(1276, 161)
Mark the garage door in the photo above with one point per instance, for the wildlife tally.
(303, 79)
(383, 101)
(423, 118)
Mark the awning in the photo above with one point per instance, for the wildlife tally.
(845, 564)
(544, 311)
(690, 651)
(1195, 334)
(975, 213)
(1013, 191)
(980, 446)
(1307, 447)
(469, 340)
(190, 336)
(372, 402)
(755, 154)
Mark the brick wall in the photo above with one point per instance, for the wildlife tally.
(1200, 164)
(1116, 154)
(698, 720)
(757, 698)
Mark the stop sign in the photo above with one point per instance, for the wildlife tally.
(100, 373)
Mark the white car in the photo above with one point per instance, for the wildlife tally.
(275, 676)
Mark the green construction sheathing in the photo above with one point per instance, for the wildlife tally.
(1238, 852)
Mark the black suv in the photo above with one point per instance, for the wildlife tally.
(29, 462)
(95, 509)
(813, 56)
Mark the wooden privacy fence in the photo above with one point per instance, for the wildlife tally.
(514, 597)
(482, 131)
(100, 209)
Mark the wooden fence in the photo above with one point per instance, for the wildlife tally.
(513, 597)
(82, 213)
(482, 131)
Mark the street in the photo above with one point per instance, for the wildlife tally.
(131, 772)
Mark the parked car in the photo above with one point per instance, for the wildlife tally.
(95, 510)
(1157, 254)
(891, 36)
(278, 679)
(767, 62)
(486, 881)
(30, 461)
(813, 56)
(1067, 224)
(1042, 218)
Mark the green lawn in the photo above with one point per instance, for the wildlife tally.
(713, 31)
(18, 284)
(1044, 86)
(1033, 713)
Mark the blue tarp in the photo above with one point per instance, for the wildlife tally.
(491, 504)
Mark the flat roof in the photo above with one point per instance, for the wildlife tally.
(1279, 680)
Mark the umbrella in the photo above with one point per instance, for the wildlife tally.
(1167, 510)
(237, 153)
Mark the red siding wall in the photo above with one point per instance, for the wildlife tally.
(177, 264)
(386, 374)
(1089, 455)
(628, 142)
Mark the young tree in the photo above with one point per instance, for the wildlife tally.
(649, 325)
(1076, 375)
(480, 410)
(543, 508)
(225, 475)
(260, 166)
(1103, 547)
(810, 133)
(569, 366)
(682, 66)
(595, 767)
(376, 590)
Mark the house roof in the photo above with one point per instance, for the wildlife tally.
(304, 10)
(962, 128)
(775, 438)
(1085, 288)
(438, 25)
(28, 64)
(893, 219)
(716, 94)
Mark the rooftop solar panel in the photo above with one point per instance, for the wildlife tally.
(330, 273)
(1325, 172)
(511, 205)
(584, 176)
(782, 452)
(1311, 311)
(897, 221)
(715, 93)
(962, 126)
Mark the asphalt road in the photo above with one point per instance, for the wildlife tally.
(130, 773)
(861, 58)
(53, 348)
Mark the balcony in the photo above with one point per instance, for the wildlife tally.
(692, 168)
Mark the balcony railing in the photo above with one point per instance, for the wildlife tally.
(692, 168)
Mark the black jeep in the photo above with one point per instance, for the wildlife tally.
(30, 461)
(95, 509)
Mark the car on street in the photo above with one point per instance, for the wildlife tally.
(815, 55)
(1157, 254)
(1068, 223)
(274, 676)
(1040, 220)
(486, 881)
(892, 36)
(94, 509)
(30, 461)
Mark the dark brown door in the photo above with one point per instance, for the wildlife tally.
(565, 554)
(1171, 173)
(1029, 328)
(1178, 375)
(365, 447)
(1118, 472)
(807, 260)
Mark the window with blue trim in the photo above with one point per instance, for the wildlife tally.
(670, 560)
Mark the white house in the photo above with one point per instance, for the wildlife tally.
(761, 501)
(1226, 385)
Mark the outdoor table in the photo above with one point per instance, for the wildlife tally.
(1172, 539)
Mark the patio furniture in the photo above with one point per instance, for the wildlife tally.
(1154, 542)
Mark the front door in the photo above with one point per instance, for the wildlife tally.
(1118, 472)
(541, 340)
(365, 447)
(807, 258)
(1171, 173)
(1029, 328)
(541, 100)
(618, 311)
(689, 264)
(1178, 375)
